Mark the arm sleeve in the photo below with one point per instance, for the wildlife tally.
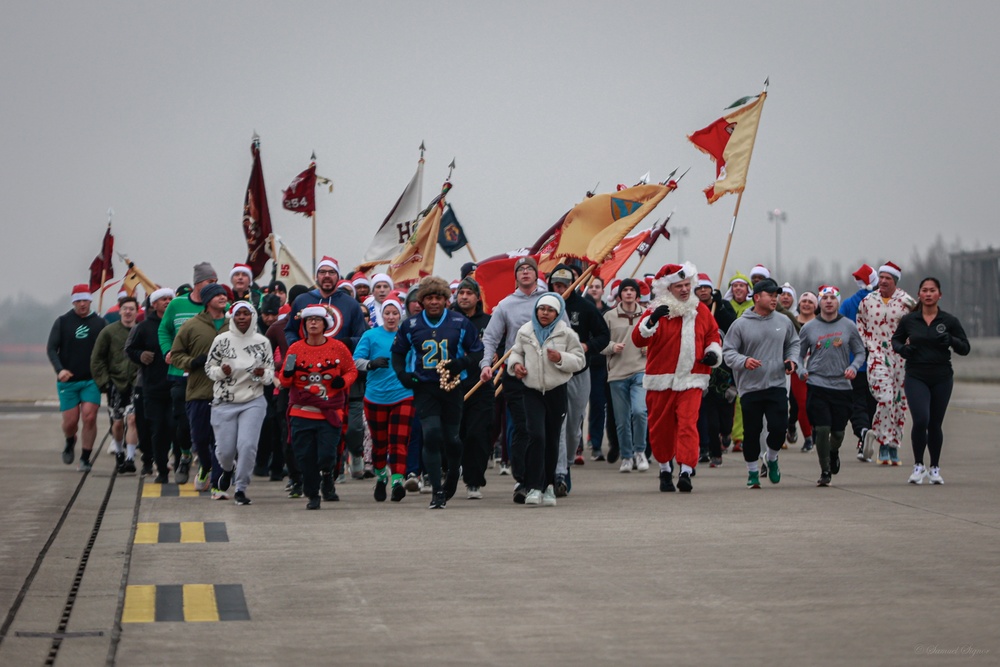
(98, 360)
(899, 337)
(792, 344)
(600, 333)
(805, 345)
(52, 347)
(361, 352)
(730, 348)
(491, 337)
(268, 363)
(857, 347)
(573, 359)
(959, 341)
(179, 357)
(132, 350)
(166, 332)
(213, 366)
(473, 347)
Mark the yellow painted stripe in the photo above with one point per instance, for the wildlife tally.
(199, 603)
(147, 533)
(140, 604)
(187, 490)
(192, 532)
(151, 490)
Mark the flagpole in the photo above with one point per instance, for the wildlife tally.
(274, 258)
(104, 268)
(468, 247)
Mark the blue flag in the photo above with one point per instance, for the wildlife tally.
(451, 237)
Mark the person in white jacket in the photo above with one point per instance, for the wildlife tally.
(240, 363)
(545, 355)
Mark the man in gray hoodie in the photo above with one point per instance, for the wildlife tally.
(762, 348)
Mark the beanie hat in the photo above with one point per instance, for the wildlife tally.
(467, 268)
(527, 259)
(809, 296)
(296, 292)
(241, 268)
(627, 282)
(81, 292)
(470, 284)
(160, 293)
(330, 262)
(204, 271)
(786, 288)
(277, 286)
(866, 277)
(210, 291)
(270, 304)
(829, 289)
(550, 300)
(892, 269)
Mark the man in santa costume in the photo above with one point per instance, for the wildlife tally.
(684, 346)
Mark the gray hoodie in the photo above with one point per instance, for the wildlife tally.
(829, 346)
(513, 312)
(771, 340)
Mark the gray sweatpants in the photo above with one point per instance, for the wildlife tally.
(237, 431)
(577, 395)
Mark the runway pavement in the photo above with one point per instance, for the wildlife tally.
(870, 571)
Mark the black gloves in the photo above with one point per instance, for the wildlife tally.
(717, 297)
(337, 382)
(408, 381)
(289, 369)
(711, 358)
(661, 311)
(943, 340)
(378, 362)
(198, 362)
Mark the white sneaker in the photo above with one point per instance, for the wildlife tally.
(534, 497)
(641, 462)
(504, 469)
(919, 474)
(473, 493)
(626, 466)
(870, 442)
(549, 497)
(935, 476)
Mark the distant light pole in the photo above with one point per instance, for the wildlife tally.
(680, 233)
(777, 216)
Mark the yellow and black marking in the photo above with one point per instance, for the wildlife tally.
(185, 532)
(172, 491)
(190, 603)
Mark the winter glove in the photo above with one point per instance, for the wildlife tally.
(943, 340)
(337, 382)
(198, 363)
(408, 381)
(711, 358)
(289, 369)
(378, 362)
(661, 311)
(717, 298)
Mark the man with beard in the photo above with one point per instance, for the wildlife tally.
(683, 347)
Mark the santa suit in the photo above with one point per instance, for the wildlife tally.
(877, 321)
(675, 379)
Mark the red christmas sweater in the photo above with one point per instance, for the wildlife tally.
(311, 395)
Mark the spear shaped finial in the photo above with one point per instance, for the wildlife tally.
(111, 213)
(313, 157)
(422, 149)
(591, 192)
(451, 168)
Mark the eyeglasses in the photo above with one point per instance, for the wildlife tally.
(326, 272)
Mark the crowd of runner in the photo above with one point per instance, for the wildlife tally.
(420, 390)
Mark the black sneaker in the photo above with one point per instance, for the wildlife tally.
(451, 484)
(147, 469)
(438, 501)
(241, 498)
(183, 470)
(561, 488)
(129, 466)
(613, 453)
(161, 478)
(520, 493)
(824, 479)
(398, 492)
(225, 480)
(120, 462)
(380, 491)
(67, 453)
(684, 483)
(313, 503)
(667, 482)
(834, 461)
(295, 491)
(327, 489)
(704, 458)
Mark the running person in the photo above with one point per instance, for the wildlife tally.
(925, 338)
(115, 374)
(437, 337)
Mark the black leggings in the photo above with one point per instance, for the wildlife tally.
(928, 403)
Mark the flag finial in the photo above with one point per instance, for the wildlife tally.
(422, 149)
(313, 156)
(111, 213)
(766, 82)
(451, 168)
(591, 192)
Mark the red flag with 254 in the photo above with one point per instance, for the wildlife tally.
(300, 196)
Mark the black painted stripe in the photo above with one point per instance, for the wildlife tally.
(169, 532)
(231, 604)
(170, 603)
(215, 531)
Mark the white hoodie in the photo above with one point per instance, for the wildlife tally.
(243, 352)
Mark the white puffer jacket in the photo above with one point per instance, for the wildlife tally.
(544, 375)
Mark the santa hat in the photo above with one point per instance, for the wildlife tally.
(360, 279)
(892, 269)
(347, 286)
(122, 294)
(674, 273)
(760, 270)
(160, 293)
(283, 311)
(705, 281)
(644, 291)
(330, 262)
(241, 268)
(239, 305)
(787, 288)
(316, 311)
(829, 289)
(453, 285)
(393, 301)
(81, 292)
(866, 277)
(382, 278)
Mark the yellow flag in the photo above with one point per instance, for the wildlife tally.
(729, 142)
(417, 258)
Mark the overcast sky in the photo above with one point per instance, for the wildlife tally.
(875, 136)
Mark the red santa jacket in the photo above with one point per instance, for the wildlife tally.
(677, 343)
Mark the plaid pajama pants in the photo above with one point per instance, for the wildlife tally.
(390, 430)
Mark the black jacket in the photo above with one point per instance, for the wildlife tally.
(927, 348)
(145, 338)
(588, 323)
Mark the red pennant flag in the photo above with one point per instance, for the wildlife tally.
(100, 269)
(256, 216)
(300, 196)
(610, 268)
(496, 280)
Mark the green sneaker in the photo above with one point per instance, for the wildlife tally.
(773, 472)
(753, 480)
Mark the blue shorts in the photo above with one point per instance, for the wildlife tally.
(72, 394)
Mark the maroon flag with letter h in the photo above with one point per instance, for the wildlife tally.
(256, 216)
(100, 269)
(300, 196)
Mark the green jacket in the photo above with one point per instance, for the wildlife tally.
(179, 311)
(108, 361)
(193, 340)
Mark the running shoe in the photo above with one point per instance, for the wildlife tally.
(597, 455)
(218, 494)
(534, 497)
(684, 483)
(225, 479)
(412, 483)
(773, 471)
(578, 461)
(641, 462)
(129, 466)
(520, 493)
(613, 453)
(919, 474)
(935, 475)
(241, 499)
(834, 461)
(438, 501)
(667, 482)
(398, 492)
(626, 465)
(425, 484)
(504, 469)
(561, 488)
(327, 489)
(67, 453)
(792, 434)
(203, 480)
(295, 491)
(473, 493)
(147, 469)
(737, 446)
(715, 462)
(807, 445)
(313, 503)
(753, 479)
(869, 440)
(85, 466)
(549, 497)
(704, 458)
(120, 462)
(183, 470)
(380, 494)
(861, 452)
(161, 478)
(824, 479)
